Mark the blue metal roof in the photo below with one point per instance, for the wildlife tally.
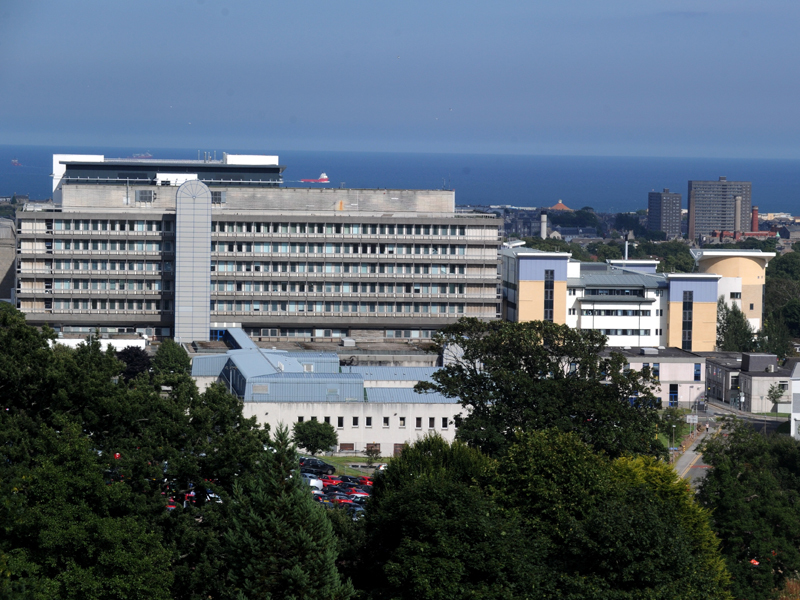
(309, 377)
(406, 396)
(241, 339)
(208, 366)
(393, 373)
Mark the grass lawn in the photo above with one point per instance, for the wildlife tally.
(342, 464)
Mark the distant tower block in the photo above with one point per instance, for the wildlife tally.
(737, 214)
(754, 219)
(543, 231)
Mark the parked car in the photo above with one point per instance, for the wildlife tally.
(356, 512)
(329, 480)
(364, 480)
(339, 499)
(309, 462)
(314, 482)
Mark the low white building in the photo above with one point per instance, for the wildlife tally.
(367, 406)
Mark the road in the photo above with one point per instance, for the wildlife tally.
(690, 465)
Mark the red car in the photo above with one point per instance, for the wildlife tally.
(329, 480)
(364, 480)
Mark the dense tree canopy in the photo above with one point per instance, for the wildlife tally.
(434, 532)
(136, 360)
(171, 358)
(539, 375)
(734, 333)
(279, 544)
(314, 436)
(624, 528)
(753, 492)
(552, 518)
(88, 468)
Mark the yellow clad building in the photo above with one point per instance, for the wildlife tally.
(626, 300)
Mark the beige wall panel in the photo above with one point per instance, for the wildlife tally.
(530, 302)
(751, 270)
(674, 324)
(752, 294)
(704, 327)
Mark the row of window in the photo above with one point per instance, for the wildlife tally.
(331, 248)
(623, 331)
(301, 332)
(596, 312)
(318, 267)
(338, 228)
(111, 284)
(614, 292)
(109, 225)
(418, 421)
(337, 287)
(126, 305)
(337, 307)
(110, 245)
(111, 265)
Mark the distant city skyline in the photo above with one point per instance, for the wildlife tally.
(663, 78)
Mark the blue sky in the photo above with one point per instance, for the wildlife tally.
(650, 78)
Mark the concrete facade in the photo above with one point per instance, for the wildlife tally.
(116, 251)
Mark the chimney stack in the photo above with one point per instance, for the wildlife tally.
(543, 218)
(754, 219)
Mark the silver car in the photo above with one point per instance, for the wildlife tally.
(312, 481)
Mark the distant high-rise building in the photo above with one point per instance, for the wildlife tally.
(718, 205)
(664, 212)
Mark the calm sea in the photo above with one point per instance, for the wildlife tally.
(608, 184)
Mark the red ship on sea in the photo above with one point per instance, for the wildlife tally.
(15, 162)
(322, 179)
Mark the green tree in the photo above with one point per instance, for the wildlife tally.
(539, 375)
(279, 544)
(433, 531)
(136, 360)
(138, 436)
(314, 436)
(171, 358)
(372, 453)
(65, 533)
(623, 529)
(785, 266)
(773, 338)
(752, 492)
(734, 333)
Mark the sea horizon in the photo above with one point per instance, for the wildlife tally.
(606, 183)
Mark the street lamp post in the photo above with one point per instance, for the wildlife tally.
(673, 443)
